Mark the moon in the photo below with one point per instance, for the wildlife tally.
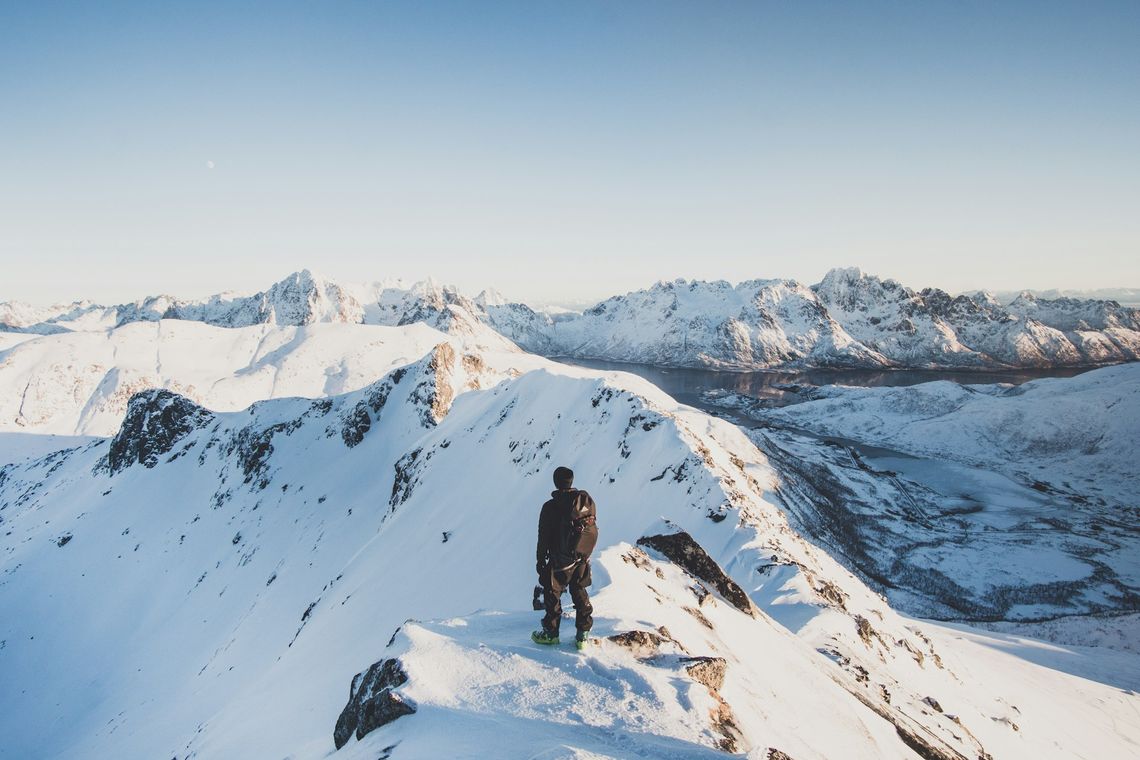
(210, 164)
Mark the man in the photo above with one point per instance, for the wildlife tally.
(567, 534)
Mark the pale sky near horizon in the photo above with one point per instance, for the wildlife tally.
(566, 151)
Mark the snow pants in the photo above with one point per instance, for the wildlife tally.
(554, 583)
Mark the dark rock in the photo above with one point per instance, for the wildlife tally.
(933, 703)
(404, 482)
(775, 754)
(681, 549)
(372, 702)
(155, 421)
(63, 540)
(356, 424)
(253, 448)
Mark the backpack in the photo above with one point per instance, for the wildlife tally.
(577, 530)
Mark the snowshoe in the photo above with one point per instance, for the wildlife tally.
(542, 637)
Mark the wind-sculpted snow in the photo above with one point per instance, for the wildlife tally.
(219, 602)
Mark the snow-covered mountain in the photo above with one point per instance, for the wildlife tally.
(78, 383)
(207, 584)
(1123, 296)
(300, 299)
(849, 319)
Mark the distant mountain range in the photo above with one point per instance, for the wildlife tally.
(849, 319)
(1123, 296)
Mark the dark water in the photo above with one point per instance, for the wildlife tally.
(687, 385)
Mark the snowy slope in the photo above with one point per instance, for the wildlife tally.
(1069, 433)
(78, 383)
(984, 502)
(206, 584)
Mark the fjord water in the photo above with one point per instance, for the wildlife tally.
(687, 384)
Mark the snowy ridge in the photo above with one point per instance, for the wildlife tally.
(301, 298)
(78, 383)
(293, 537)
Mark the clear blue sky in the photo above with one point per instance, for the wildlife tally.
(566, 150)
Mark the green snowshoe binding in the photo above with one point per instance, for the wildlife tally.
(543, 637)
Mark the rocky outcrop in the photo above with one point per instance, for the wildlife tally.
(156, 420)
(650, 646)
(706, 670)
(681, 549)
(373, 701)
(643, 644)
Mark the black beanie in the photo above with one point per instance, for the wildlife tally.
(563, 477)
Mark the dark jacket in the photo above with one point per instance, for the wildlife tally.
(550, 520)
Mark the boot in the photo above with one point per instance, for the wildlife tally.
(582, 639)
(544, 637)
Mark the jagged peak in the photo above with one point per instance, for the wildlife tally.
(491, 297)
(837, 275)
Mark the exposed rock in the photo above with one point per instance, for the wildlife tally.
(372, 701)
(640, 643)
(355, 425)
(156, 420)
(681, 549)
(724, 721)
(833, 594)
(865, 631)
(914, 652)
(700, 616)
(637, 558)
(253, 446)
(706, 670)
(775, 754)
(405, 479)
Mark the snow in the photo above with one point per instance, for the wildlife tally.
(1069, 433)
(78, 383)
(207, 582)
